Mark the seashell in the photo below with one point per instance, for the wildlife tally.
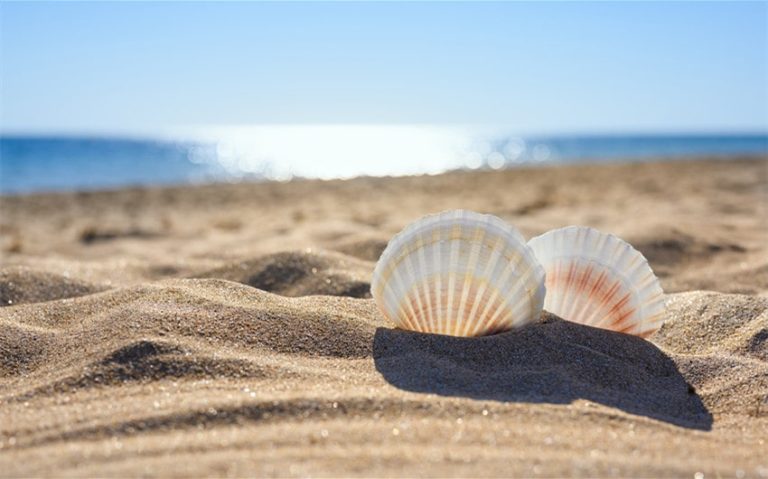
(459, 273)
(600, 280)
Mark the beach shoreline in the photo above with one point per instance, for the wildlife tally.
(227, 329)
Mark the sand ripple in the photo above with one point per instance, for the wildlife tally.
(301, 273)
(195, 334)
(24, 285)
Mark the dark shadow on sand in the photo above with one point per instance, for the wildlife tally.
(553, 361)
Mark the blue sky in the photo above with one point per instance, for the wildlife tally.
(536, 67)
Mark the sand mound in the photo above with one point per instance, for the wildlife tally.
(301, 273)
(689, 259)
(23, 285)
(93, 234)
(728, 385)
(719, 343)
(365, 248)
(22, 346)
(713, 323)
(102, 274)
(222, 313)
(155, 359)
(670, 247)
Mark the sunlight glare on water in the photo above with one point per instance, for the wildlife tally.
(340, 151)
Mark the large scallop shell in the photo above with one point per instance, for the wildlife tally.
(600, 280)
(459, 273)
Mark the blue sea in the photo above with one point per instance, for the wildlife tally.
(281, 152)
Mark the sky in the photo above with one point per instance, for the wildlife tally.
(536, 68)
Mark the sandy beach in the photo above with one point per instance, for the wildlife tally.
(228, 330)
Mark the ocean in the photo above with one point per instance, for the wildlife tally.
(35, 163)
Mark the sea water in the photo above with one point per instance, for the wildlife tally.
(281, 152)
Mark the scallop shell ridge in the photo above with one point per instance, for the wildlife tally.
(600, 280)
(458, 273)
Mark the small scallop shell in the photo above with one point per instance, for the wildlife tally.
(600, 280)
(459, 273)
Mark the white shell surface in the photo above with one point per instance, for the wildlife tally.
(459, 273)
(600, 280)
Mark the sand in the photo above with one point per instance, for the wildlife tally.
(227, 330)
